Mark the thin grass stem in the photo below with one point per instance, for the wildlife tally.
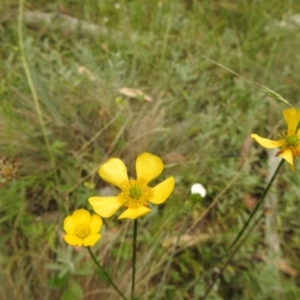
(105, 273)
(135, 225)
(259, 202)
(230, 257)
(268, 91)
(31, 84)
(241, 232)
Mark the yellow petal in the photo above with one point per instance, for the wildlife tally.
(91, 240)
(266, 142)
(73, 240)
(105, 206)
(148, 166)
(95, 224)
(288, 156)
(292, 167)
(114, 171)
(82, 216)
(70, 225)
(162, 191)
(292, 118)
(134, 212)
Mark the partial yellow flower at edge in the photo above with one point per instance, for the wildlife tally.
(135, 193)
(289, 143)
(82, 228)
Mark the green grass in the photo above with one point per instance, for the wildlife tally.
(200, 112)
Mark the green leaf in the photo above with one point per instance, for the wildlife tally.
(74, 292)
(58, 282)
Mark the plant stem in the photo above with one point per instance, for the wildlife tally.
(237, 239)
(31, 84)
(230, 257)
(135, 225)
(34, 92)
(259, 202)
(105, 273)
(269, 92)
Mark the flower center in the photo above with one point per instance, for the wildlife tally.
(136, 194)
(292, 141)
(82, 231)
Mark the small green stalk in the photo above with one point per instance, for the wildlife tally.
(135, 225)
(240, 234)
(31, 84)
(105, 273)
(260, 201)
(230, 257)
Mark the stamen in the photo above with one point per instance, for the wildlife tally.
(137, 194)
(292, 141)
(82, 231)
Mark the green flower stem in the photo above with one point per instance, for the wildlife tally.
(182, 229)
(135, 225)
(260, 201)
(105, 273)
(231, 256)
(240, 234)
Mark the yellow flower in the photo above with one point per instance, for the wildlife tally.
(135, 193)
(82, 228)
(289, 143)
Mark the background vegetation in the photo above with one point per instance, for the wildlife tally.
(199, 122)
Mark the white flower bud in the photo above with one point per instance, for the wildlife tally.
(198, 188)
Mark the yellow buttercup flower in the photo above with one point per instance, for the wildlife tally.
(289, 143)
(136, 194)
(82, 228)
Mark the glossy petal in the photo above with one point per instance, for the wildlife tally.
(105, 206)
(95, 224)
(288, 156)
(292, 118)
(73, 240)
(91, 240)
(162, 191)
(70, 225)
(82, 216)
(266, 142)
(114, 171)
(148, 166)
(134, 212)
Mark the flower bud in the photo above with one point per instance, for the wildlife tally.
(198, 192)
